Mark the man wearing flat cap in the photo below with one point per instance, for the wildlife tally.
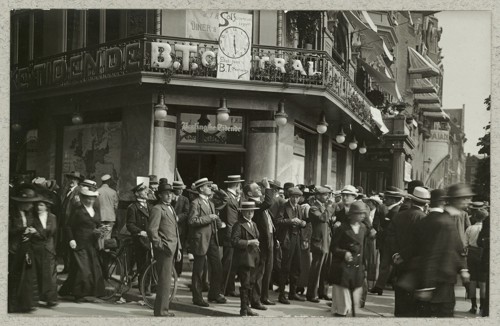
(289, 222)
(204, 243)
(403, 239)
(137, 222)
(164, 235)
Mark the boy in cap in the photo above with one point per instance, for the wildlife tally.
(245, 241)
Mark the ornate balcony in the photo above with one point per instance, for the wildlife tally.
(131, 57)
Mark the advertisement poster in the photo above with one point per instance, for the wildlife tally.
(235, 46)
(202, 24)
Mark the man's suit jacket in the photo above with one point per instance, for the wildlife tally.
(107, 202)
(321, 217)
(276, 206)
(462, 221)
(283, 223)
(45, 237)
(162, 229)
(182, 210)
(383, 218)
(201, 226)
(244, 255)
(265, 226)
(70, 201)
(137, 221)
(228, 215)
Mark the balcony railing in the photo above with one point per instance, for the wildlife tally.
(133, 55)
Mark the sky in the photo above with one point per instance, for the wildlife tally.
(466, 43)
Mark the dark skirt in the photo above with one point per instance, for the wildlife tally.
(46, 273)
(371, 260)
(22, 287)
(474, 264)
(85, 274)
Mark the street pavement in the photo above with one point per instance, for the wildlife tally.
(376, 306)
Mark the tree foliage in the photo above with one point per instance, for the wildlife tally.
(482, 183)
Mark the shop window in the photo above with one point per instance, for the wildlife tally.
(140, 21)
(93, 24)
(338, 163)
(205, 129)
(23, 40)
(74, 30)
(113, 24)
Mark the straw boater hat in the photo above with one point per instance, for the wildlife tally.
(459, 190)
(139, 187)
(349, 190)
(247, 206)
(234, 179)
(92, 185)
(201, 182)
(178, 185)
(89, 193)
(420, 195)
(75, 175)
(477, 205)
(106, 177)
(26, 195)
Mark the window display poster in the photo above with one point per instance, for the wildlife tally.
(202, 24)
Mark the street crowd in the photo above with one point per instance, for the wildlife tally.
(303, 239)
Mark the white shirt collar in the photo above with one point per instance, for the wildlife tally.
(232, 192)
(204, 197)
(436, 209)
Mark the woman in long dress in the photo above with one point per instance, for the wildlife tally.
(44, 251)
(85, 274)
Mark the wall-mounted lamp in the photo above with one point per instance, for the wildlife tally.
(281, 117)
(340, 138)
(353, 144)
(160, 108)
(223, 111)
(363, 149)
(322, 125)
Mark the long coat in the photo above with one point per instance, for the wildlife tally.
(244, 255)
(201, 226)
(266, 227)
(461, 219)
(284, 225)
(228, 215)
(320, 218)
(343, 273)
(107, 202)
(137, 221)
(162, 229)
(182, 210)
(383, 218)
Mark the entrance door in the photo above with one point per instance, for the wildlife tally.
(214, 166)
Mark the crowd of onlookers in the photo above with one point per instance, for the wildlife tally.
(303, 239)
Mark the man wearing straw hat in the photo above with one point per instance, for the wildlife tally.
(180, 203)
(245, 241)
(403, 237)
(229, 215)
(204, 244)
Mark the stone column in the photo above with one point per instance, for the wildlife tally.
(164, 147)
(326, 161)
(260, 160)
(398, 169)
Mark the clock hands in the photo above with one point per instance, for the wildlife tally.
(234, 44)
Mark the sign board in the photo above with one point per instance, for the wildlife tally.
(202, 24)
(234, 57)
(205, 129)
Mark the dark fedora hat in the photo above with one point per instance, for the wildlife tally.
(75, 175)
(413, 184)
(234, 179)
(288, 185)
(164, 187)
(26, 195)
(163, 180)
(153, 179)
(459, 190)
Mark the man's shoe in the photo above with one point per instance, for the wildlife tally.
(296, 297)
(251, 313)
(259, 306)
(168, 314)
(473, 310)
(201, 303)
(220, 299)
(268, 302)
(325, 297)
(315, 300)
(283, 300)
(338, 315)
(329, 304)
(376, 290)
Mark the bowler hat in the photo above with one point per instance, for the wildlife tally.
(25, 195)
(413, 184)
(357, 207)
(164, 187)
(201, 182)
(153, 179)
(459, 190)
(234, 179)
(106, 177)
(247, 206)
(349, 190)
(163, 180)
(294, 191)
(75, 175)
(420, 195)
(437, 195)
(178, 185)
(139, 187)
(89, 193)
(322, 190)
(288, 185)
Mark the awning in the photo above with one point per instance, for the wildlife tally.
(368, 20)
(377, 117)
(385, 82)
(432, 63)
(419, 65)
(434, 107)
(357, 23)
(422, 85)
(437, 115)
(426, 98)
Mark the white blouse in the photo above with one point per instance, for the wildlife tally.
(90, 210)
(43, 219)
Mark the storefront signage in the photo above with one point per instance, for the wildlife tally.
(202, 24)
(205, 129)
(78, 67)
(235, 41)
(440, 135)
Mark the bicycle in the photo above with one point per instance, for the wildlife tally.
(118, 280)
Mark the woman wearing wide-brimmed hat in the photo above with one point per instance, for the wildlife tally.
(85, 273)
(44, 250)
(22, 294)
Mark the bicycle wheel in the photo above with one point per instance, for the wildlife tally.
(149, 283)
(113, 278)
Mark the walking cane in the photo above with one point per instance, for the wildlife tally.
(351, 293)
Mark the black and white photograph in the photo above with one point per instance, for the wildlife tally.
(249, 163)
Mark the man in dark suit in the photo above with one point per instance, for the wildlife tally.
(229, 215)
(289, 223)
(440, 254)
(321, 216)
(180, 204)
(137, 221)
(164, 235)
(260, 293)
(204, 244)
(402, 238)
(245, 241)
(392, 202)
(278, 202)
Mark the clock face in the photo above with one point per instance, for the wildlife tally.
(234, 42)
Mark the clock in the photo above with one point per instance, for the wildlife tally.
(234, 42)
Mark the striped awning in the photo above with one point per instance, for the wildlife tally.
(441, 116)
(382, 79)
(420, 65)
(426, 98)
(422, 85)
(432, 107)
(377, 117)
